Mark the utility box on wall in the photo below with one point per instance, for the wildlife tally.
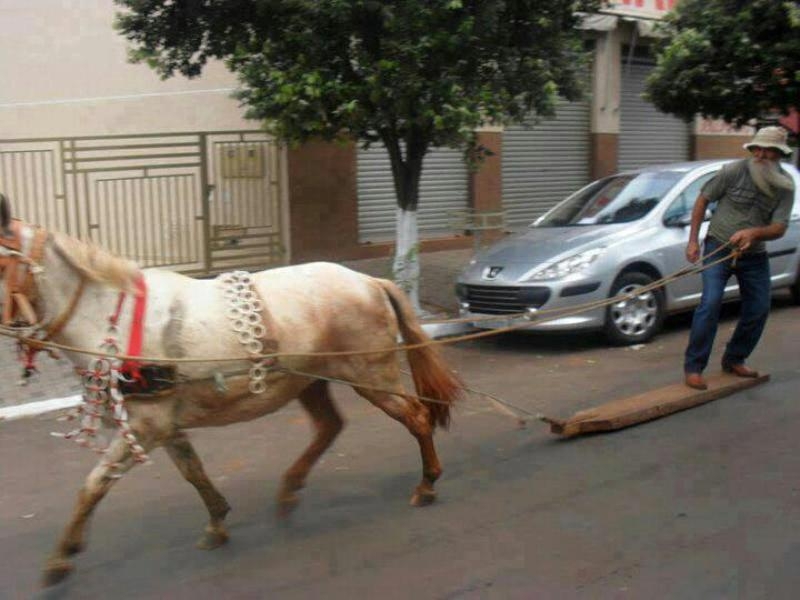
(242, 161)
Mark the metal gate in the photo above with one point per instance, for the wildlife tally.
(544, 163)
(647, 136)
(198, 203)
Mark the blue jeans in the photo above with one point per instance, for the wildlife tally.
(752, 272)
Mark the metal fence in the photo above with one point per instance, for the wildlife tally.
(199, 203)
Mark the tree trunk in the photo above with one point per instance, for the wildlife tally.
(405, 268)
(406, 172)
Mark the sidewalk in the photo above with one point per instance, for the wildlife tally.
(57, 380)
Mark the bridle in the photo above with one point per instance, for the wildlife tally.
(19, 267)
(18, 270)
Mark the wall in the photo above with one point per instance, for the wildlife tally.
(719, 146)
(65, 72)
(323, 206)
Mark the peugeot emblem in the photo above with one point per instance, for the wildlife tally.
(491, 272)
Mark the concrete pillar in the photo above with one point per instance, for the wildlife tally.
(606, 98)
(323, 201)
(486, 182)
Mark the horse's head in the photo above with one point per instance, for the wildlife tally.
(9, 244)
(5, 217)
(16, 267)
(9, 249)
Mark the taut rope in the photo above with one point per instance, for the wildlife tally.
(529, 318)
(244, 311)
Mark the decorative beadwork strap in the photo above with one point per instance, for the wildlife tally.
(244, 309)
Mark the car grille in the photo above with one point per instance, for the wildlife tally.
(499, 300)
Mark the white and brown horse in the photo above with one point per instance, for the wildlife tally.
(318, 307)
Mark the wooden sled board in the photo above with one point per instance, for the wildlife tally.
(650, 405)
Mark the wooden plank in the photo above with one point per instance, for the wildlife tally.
(650, 405)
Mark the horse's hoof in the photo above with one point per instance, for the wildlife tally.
(212, 539)
(423, 498)
(56, 571)
(286, 505)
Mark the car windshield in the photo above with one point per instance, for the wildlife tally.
(617, 199)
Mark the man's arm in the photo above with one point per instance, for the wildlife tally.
(698, 215)
(744, 238)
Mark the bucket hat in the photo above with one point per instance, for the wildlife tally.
(770, 137)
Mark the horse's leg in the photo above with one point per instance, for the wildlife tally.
(117, 461)
(328, 423)
(415, 416)
(182, 453)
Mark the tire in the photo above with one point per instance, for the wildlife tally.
(634, 321)
(795, 288)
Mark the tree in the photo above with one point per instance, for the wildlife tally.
(412, 74)
(736, 60)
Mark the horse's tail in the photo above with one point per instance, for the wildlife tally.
(432, 377)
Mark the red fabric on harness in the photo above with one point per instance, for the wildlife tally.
(137, 326)
(131, 367)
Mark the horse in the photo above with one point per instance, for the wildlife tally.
(307, 311)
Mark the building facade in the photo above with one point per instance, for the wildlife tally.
(110, 132)
(537, 164)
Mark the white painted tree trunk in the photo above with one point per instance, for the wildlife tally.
(405, 269)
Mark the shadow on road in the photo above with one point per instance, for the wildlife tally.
(577, 341)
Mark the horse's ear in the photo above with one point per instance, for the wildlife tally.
(5, 214)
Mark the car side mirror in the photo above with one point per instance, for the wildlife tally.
(683, 220)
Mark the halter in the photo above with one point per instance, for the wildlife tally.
(18, 271)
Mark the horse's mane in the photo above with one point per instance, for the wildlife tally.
(95, 263)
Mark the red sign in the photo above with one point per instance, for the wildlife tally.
(643, 5)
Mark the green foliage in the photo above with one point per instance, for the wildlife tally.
(729, 59)
(412, 74)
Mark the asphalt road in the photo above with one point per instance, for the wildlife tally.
(701, 504)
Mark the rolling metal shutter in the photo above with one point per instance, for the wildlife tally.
(544, 164)
(647, 136)
(443, 188)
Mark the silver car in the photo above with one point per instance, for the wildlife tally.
(612, 237)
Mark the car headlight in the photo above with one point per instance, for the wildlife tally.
(563, 268)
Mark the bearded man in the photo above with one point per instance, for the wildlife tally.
(754, 201)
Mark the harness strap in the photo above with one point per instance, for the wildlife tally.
(34, 259)
(57, 325)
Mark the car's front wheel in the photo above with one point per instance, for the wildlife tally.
(638, 317)
(795, 287)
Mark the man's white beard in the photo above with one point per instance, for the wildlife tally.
(767, 176)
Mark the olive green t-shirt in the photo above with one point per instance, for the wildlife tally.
(742, 205)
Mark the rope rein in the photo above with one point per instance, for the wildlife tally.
(528, 318)
(102, 395)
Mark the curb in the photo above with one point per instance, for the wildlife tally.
(33, 409)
